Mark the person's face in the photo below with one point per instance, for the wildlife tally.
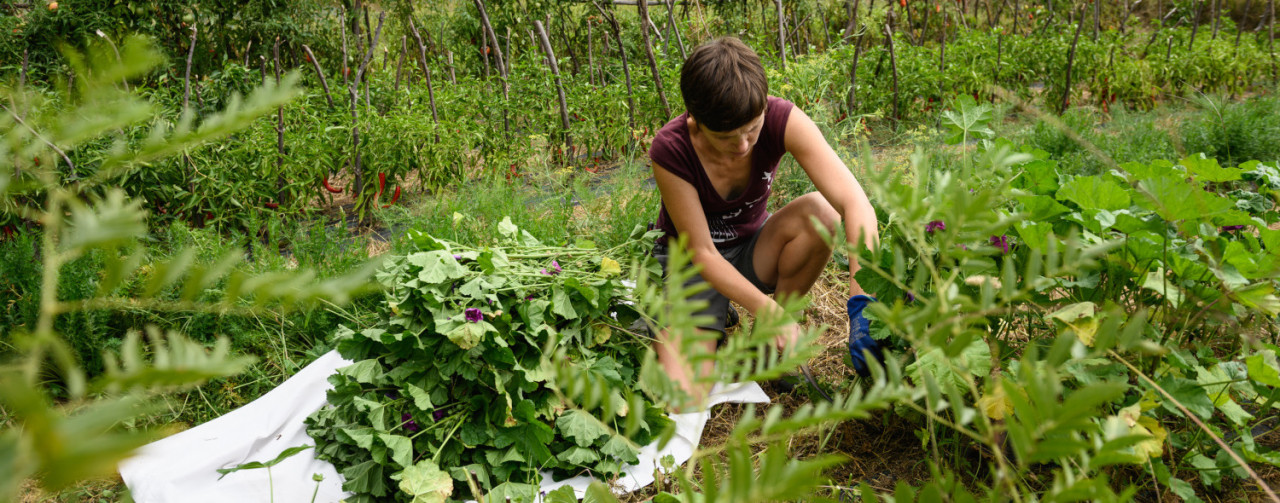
(736, 143)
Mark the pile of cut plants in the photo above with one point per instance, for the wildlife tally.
(451, 392)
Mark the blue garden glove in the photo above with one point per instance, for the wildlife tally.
(860, 336)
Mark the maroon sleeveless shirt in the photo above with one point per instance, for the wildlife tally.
(730, 222)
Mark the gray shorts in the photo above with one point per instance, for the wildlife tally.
(741, 256)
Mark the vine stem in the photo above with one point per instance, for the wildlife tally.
(1236, 457)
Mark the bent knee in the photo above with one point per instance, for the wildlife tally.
(817, 206)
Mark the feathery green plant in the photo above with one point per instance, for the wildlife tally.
(76, 435)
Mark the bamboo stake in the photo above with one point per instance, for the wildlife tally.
(323, 82)
(782, 34)
(453, 78)
(1071, 57)
(555, 71)
(643, 7)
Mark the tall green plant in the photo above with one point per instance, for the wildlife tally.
(63, 437)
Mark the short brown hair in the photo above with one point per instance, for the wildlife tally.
(723, 84)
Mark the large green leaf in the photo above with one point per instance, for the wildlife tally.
(426, 483)
(1206, 169)
(1175, 199)
(580, 427)
(1188, 393)
(1095, 193)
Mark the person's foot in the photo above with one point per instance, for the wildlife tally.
(731, 318)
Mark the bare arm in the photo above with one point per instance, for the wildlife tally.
(836, 183)
(681, 201)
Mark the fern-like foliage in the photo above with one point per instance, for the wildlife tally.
(80, 436)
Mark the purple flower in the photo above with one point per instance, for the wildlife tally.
(910, 297)
(437, 415)
(409, 424)
(1001, 242)
(391, 394)
(528, 297)
(1231, 228)
(457, 257)
(936, 225)
(555, 265)
(473, 314)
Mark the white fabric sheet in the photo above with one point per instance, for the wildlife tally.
(183, 467)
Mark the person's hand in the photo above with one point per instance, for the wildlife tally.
(860, 342)
(787, 337)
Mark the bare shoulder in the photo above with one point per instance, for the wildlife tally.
(801, 133)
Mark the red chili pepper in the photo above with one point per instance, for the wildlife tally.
(903, 3)
(330, 187)
(208, 215)
(271, 205)
(382, 184)
(394, 197)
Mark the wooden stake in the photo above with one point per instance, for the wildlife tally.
(426, 73)
(404, 46)
(1195, 25)
(353, 91)
(186, 79)
(671, 21)
(280, 195)
(1271, 33)
(555, 71)
(1217, 17)
(499, 61)
(1248, 5)
(591, 58)
(616, 31)
(1071, 57)
(782, 34)
(643, 7)
(893, 62)
(323, 82)
(453, 78)
(853, 76)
